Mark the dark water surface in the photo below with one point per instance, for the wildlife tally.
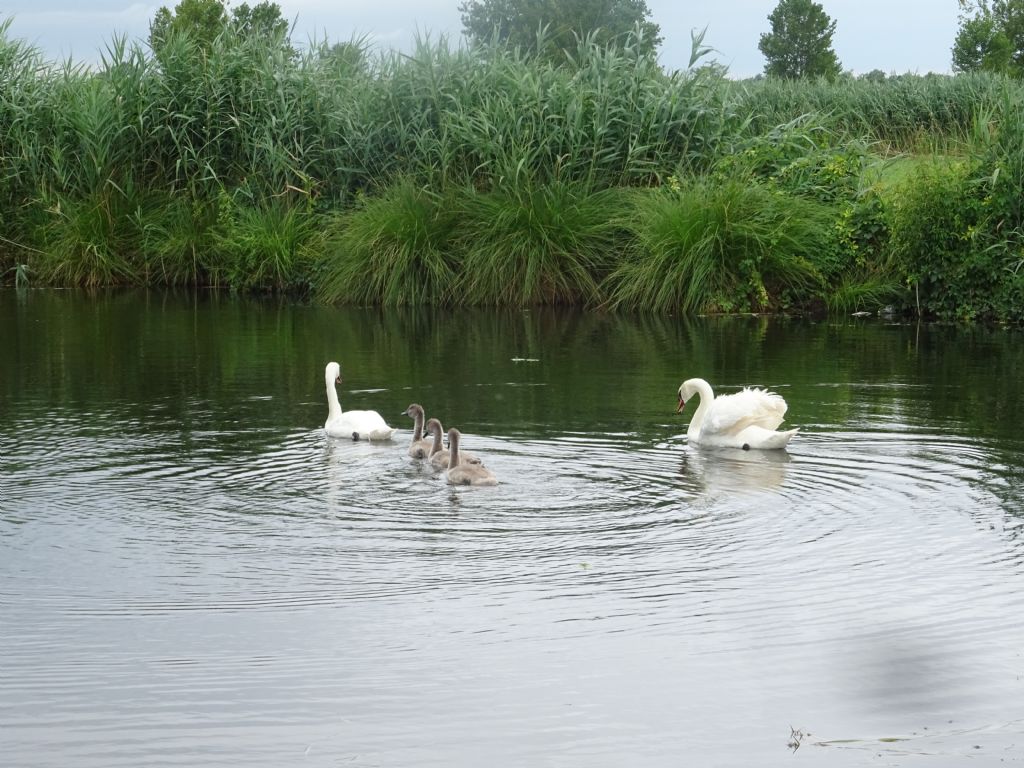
(191, 573)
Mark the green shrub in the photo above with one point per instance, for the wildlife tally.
(802, 157)
(861, 275)
(941, 224)
(958, 229)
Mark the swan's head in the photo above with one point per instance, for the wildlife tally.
(414, 411)
(433, 426)
(333, 373)
(686, 390)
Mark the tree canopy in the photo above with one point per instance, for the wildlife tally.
(518, 23)
(991, 37)
(800, 41)
(203, 20)
(262, 19)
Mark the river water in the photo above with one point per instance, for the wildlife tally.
(191, 573)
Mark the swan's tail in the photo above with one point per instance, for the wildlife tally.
(759, 438)
(379, 434)
(778, 439)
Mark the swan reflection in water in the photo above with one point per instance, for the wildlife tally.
(718, 470)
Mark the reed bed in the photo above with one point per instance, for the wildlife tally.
(459, 175)
(904, 112)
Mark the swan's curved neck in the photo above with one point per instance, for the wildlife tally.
(706, 397)
(417, 430)
(333, 406)
(437, 442)
(453, 451)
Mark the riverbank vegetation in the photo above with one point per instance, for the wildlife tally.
(480, 175)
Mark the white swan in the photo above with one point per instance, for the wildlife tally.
(465, 473)
(420, 447)
(747, 419)
(439, 457)
(357, 425)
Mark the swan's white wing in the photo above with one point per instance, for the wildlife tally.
(368, 424)
(730, 414)
(367, 419)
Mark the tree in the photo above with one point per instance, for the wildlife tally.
(262, 19)
(991, 37)
(518, 23)
(204, 20)
(800, 42)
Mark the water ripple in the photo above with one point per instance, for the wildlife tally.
(327, 576)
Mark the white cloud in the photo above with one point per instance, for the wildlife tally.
(83, 14)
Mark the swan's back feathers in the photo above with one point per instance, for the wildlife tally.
(359, 425)
(751, 407)
(461, 472)
(439, 457)
(470, 474)
(420, 449)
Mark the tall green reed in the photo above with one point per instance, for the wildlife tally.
(903, 111)
(491, 115)
(24, 95)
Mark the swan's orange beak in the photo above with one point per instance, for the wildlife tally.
(682, 404)
(338, 380)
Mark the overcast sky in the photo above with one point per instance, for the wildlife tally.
(895, 36)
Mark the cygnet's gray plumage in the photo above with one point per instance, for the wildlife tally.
(438, 455)
(463, 473)
(420, 447)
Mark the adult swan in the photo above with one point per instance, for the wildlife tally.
(747, 419)
(356, 425)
